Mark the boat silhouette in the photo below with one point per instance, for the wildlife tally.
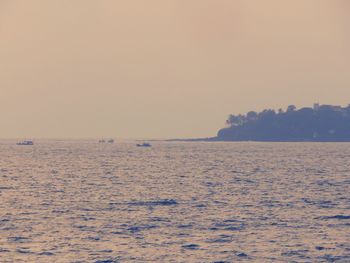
(145, 144)
(26, 142)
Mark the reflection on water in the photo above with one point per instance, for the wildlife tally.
(78, 201)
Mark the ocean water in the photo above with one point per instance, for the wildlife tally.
(80, 201)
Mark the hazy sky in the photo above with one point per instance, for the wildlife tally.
(165, 68)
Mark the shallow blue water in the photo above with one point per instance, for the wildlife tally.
(80, 201)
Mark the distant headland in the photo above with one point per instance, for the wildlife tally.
(321, 123)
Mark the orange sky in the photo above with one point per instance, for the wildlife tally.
(164, 68)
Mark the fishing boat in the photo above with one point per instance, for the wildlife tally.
(26, 143)
(110, 141)
(145, 144)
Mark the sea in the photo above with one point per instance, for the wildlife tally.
(84, 201)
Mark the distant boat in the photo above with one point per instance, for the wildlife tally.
(101, 141)
(110, 141)
(145, 144)
(26, 142)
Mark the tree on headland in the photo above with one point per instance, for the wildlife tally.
(291, 108)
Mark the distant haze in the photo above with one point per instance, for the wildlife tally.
(164, 68)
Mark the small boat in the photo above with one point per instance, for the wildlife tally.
(101, 141)
(26, 142)
(145, 144)
(110, 141)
